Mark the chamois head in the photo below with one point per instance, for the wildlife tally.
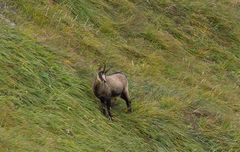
(101, 76)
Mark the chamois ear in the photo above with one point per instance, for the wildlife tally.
(106, 71)
(104, 67)
(100, 68)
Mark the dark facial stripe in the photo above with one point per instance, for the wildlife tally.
(100, 76)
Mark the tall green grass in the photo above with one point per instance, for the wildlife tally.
(181, 58)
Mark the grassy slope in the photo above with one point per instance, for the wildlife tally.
(179, 57)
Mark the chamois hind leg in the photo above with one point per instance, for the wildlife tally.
(125, 96)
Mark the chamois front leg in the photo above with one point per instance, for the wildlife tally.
(103, 104)
(109, 108)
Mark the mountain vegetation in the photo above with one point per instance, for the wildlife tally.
(182, 59)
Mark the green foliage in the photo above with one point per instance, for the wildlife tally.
(181, 58)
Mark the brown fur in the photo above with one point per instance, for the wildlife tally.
(115, 85)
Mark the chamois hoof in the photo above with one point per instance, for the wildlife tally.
(104, 113)
(110, 118)
(129, 110)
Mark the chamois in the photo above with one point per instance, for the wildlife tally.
(105, 87)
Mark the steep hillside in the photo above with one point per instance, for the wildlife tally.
(182, 59)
